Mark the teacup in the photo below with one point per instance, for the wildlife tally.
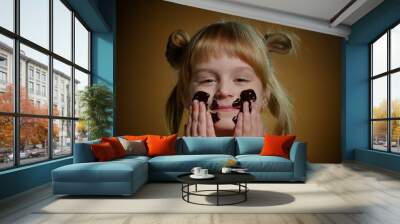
(203, 172)
(196, 170)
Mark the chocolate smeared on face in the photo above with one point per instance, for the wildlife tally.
(201, 97)
(248, 95)
(237, 103)
(215, 117)
(214, 105)
(234, 119)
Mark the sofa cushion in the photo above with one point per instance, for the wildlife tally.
(116, 145)
(249, 145)
(112, 171)
(277, 145)
(185, 163)
(134, 147)
(257, 163)
(206, 145)
(103, 151)
(161, 145)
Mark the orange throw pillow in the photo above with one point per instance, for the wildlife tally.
(277, 145)
(161, 145)
(103, 152)
(116, 145)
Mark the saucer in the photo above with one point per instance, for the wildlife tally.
(208, 176)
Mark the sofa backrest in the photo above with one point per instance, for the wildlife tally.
(83, 152)
(206, 145)
(249, 145)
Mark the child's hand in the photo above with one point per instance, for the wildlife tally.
(249, 123)
(200, 122)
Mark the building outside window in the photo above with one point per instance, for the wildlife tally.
(43, 90)
(30, 87)
(3, 72)
(30, 72)
(3, 61)
(3, 77)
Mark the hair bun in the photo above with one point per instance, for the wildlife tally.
(278, 43)
(176, 46)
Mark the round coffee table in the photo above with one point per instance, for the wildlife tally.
(238, 179)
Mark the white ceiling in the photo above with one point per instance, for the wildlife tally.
(319, 9)
(315, 15)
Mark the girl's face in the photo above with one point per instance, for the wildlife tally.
(224, 78)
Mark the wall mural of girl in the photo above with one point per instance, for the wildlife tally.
(226, 80)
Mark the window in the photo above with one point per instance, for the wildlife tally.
(30, 87)
(3, 61)
(30, 72)
(38, 89)
(3, 72)
(43, 90)
(42, 68)
(385, 91)
(3, 78)
(37, 74)
(43, 77)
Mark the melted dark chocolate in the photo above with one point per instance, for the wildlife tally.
(201, 97)
(215, 117)
(234, 119)
(214, 105)
(237, 103)
(246, 95)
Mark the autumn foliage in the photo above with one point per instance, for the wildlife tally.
(33, 131)
(380, 127)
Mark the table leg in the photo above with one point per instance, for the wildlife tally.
(188, 192)
(217, 194)
(245, 193)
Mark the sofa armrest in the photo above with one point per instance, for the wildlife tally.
(298, 155)
(83, 152)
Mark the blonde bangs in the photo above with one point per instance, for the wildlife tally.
(233, 42)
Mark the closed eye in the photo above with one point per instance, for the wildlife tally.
(207, 81)
(242, 80)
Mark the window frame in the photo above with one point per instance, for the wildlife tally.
(16, 114)
(388, 74)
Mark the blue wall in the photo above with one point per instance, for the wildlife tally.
(103, 51)
(100, 16)
(356, 84)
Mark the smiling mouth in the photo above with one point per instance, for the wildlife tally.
(223, 108)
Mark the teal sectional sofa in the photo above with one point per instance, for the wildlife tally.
(125, 176)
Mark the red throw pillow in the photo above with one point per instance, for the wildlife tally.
(277, 145)
(116, 145)
(103, 151)
(161, 145)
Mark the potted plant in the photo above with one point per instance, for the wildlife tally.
(96, 102)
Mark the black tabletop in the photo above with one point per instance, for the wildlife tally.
(220, 178)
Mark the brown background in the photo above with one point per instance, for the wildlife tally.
(144, 78)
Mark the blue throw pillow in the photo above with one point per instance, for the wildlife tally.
(206, 145)
(249, 145)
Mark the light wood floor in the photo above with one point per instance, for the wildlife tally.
(354, 182)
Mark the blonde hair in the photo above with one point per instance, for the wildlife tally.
(234, 39)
